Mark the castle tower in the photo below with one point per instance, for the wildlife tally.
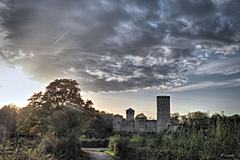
(163, 112)
(130, 114)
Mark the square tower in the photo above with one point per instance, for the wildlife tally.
(163, 112)
(130, 114)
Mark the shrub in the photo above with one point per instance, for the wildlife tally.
(219, 140)
(62, 139)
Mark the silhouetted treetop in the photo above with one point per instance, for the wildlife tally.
(141, 116)
(62, 91)
(57, 96)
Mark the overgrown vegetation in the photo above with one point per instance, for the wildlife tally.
(51, 125)
(56, 123)
(198, 137)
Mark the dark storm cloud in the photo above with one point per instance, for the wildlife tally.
(117, 45)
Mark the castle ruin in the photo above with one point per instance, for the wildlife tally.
(140, 123)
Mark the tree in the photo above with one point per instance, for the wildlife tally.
(65, 127)
(88, 106)
(62, 91)
(197, 115)
(71, 119)
(31, 119)
(3, 133)
(199, 120)
(175, 115)
(175, 118)
(101, 126)
(57, 96)
(27, 121)
(8, 115)
(141, 116)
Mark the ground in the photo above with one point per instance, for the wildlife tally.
(97, 153)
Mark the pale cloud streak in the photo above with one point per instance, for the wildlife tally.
(222, 67)
(207, 85)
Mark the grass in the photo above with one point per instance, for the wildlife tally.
(111, 153)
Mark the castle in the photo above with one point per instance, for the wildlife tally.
(140, 123)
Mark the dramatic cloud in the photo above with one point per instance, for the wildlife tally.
(207, 85)
(118, 45)
(222, 67)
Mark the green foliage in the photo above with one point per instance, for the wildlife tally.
(59, 93)
(3, 133)
(8, 116)
(200, 137)
(141, 116)
(58, 117)
(193, 116)
(136, 140)
(17, 148)
(114, 142)
(198, 120)
(62, 91)
(27, 121)
(61, 148)
(101, 126)
(65, 128)
(70, 120)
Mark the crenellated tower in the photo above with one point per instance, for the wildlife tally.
(130, 114)
(163, 112)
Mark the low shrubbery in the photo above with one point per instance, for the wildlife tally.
(62, 140)
(57, 117)
(219, 140)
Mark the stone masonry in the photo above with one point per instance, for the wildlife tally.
(140, 124)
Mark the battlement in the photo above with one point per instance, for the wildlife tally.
(118, 116)
(168, 97)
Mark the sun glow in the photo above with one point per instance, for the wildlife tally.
(15, 86)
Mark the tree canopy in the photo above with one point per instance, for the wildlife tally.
(8, 116)
(141, 116)
(57, 96)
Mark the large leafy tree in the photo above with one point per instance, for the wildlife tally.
(58, 94)
(61, 92)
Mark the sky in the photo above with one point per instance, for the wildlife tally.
(124, 53)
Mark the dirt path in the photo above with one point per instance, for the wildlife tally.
(96, 154)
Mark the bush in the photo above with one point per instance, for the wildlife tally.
(113, 142)
(62, 139)
(219, 140)
(137, 140)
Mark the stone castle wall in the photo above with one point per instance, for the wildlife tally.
(137, 125)
(141, 125)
